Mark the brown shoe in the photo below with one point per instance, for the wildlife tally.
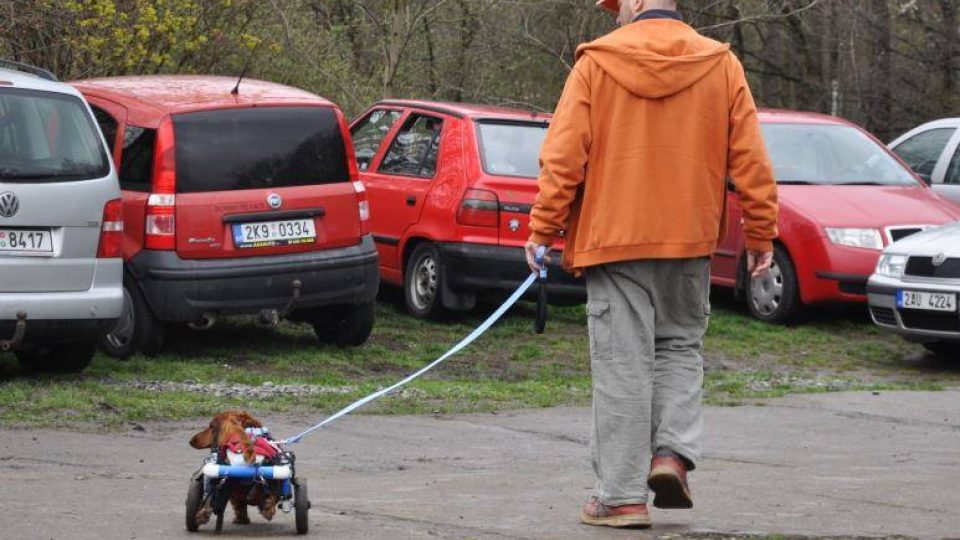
(668, 481)
(627, 515)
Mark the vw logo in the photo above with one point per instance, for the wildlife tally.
(274, 200)
(939, 259)
(9, 204)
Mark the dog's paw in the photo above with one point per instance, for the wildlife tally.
(269, 508)
(203, 515)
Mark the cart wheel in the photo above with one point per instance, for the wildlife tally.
(301, 504)
(194, 499)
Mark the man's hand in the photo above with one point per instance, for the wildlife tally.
(758, 263)
(531, 250)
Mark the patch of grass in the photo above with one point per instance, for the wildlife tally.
(510, 367)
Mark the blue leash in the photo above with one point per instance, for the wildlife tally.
(479, 331)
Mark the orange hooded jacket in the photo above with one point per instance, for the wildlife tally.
(653, 120)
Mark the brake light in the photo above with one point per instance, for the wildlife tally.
(479, 208)
(364, 206)
(111, 231)
(161, 227)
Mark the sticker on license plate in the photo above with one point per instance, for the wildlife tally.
(927, 301)
(26, 240)
(274, 233)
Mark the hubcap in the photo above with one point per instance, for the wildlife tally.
(766, 292)
(122, 333)
(424, 283)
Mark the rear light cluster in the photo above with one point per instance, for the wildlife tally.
(111, 231)
(161, 226)
(364, 207)
(479, 208)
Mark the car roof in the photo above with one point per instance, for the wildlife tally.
(468, 110)
(786, 116)
(149, 98)
(10, 78)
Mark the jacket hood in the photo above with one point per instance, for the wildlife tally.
(655, 58)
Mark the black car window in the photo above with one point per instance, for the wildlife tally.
(108, 125)
(369, 133)
(922, 151)
(413, 151)
(255, 148)
(136, 160)
(48, 137)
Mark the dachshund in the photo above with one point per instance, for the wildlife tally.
(224, 427)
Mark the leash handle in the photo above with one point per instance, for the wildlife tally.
(540, 324)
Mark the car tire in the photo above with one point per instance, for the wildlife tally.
(775, 298)
(945, 349)
(64, 358)
(136, 330)
(344, 326)
(423, 283)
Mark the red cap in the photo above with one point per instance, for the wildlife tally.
(612, 6)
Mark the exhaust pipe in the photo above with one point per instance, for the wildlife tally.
(205, 322)
(18, 332)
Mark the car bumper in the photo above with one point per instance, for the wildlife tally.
(830, 273)
(477, 267)
(103, 300)
(913, 324)
(182, 290)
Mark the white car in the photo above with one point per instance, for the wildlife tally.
(932, 150)
(915, 288)
(61, 228)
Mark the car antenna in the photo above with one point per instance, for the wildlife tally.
(243, 72)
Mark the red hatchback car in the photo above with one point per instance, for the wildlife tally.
(238, 197)
(450, 188)
(843, 198)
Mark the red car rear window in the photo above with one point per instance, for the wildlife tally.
(254, 148)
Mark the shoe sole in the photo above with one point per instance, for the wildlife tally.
(669, 491)
(631, 521)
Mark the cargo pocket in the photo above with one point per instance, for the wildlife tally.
(601, 333)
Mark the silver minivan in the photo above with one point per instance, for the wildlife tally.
(61, 228)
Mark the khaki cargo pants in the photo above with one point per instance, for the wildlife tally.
(646, 319)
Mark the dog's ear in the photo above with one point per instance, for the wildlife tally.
(203, 439)
(248, 421)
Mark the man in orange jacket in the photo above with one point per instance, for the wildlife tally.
(653, 120)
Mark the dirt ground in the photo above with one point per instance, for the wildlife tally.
(843, 464)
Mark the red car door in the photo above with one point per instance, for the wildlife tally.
(398, 180)
(723, 267)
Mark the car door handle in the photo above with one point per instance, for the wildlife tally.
(411, 200)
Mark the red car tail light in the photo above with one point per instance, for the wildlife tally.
(111, 231)
(160, 228)
(479, 208)
(363, 204)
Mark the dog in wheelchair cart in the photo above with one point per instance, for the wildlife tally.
(245, 467)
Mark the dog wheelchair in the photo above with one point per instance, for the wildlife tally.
(225, 471)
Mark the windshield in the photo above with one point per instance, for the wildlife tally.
(511, 149)
(48, 137)
(263, 147)
(831, 155)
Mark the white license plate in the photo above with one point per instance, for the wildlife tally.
(927, 301)
(26, 240)
(274, 233)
